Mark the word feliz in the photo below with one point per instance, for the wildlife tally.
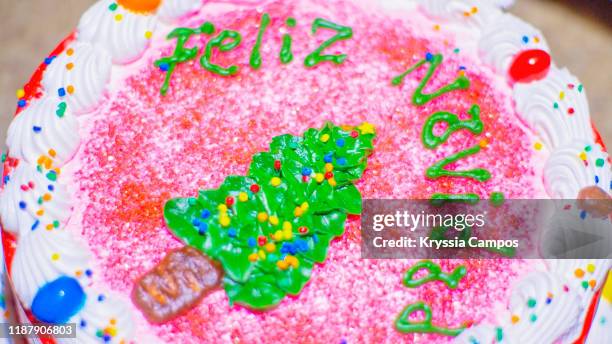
(227, 40)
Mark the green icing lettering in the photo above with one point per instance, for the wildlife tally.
(181, 54)
(405, 325)
(234, 38)
(286, 55)
(474, 125)
(440, 198)
(418, 97)
(435, 273)
(343, 33)
(438, 169)
(255, 60)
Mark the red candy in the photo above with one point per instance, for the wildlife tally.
(229, 201)
(530, 65)
(277, 164)
(255, 188)
(303, 230)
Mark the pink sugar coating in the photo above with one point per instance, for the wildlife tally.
(146, 148)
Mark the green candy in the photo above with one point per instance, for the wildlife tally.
(435, 274)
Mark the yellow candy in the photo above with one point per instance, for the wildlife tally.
(222, 208)
(329, 167)
(304, 206)
(287, 234)
(291, 260)
(262, 254)
(324, 137)
(583, 156)
(270, 247)
(275, 181)
(243, 197)
(20, 93)
(319, 177)
(273, 220)
(287, 226)
(366, 128)
(278, 235)
(253, 257)
(224, 220)
(331, 181)
(262, 217)
(282, 265)
(298, 212)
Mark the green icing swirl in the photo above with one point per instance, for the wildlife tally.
(218, 41)
(435, 273)
(286, 55)
(418, 97)
(405, 325)
(343, 33)
(431, 141)
(269, 228)
(255, 59)
(438, 169)
(181, 54)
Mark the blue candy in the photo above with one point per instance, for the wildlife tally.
(341, 161)
(57, 301)
(306, 171)
(329, 157)
(340, 142)
(231, 232)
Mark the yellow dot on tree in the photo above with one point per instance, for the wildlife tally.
(275, 181)
(262, 216)
(243, 197)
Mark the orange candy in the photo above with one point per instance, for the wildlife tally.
(140, 6)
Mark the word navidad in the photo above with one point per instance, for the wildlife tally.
(227, 40)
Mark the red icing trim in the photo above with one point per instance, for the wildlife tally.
(588, 321)
(33, 89)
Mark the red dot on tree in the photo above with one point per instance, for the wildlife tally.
(329, 175)
(261, 240)
(354, 134)
(303, 229)
(530, 65)
(255, 188)
(277, 164)
(229, 201)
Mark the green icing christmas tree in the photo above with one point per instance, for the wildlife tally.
(269, 228)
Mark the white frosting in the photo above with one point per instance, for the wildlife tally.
(100, 315)
(57, 132)
(171, 10)
(565, 173)
(567, 268)
(475, 13)
(34, 263)
(601, 328)
(17, 220)
(503, 38)
(121, 32)
(543, 322)
(87, 70)
(476, 334)
(535, 103)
